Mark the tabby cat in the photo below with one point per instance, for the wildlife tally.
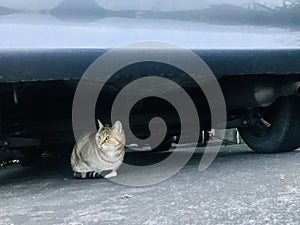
(95, 153)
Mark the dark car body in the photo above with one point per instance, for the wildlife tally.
(46, 46)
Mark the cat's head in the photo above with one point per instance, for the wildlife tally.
(110, 138)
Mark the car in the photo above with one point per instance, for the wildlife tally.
(252, 49)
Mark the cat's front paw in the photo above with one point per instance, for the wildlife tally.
(111, 174)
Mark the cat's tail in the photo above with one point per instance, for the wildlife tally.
(87, 175)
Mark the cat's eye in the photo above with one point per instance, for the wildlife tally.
(107, 137)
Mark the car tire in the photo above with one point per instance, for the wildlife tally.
(278, 128)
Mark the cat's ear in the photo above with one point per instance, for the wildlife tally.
(100, 125)
(117, 126)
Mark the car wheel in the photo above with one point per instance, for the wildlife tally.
(277, 129)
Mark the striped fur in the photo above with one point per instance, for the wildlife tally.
(87, 175)
(95, 153)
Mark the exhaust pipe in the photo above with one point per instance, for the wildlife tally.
(268, 95)
(257, 93)
(292, 88)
